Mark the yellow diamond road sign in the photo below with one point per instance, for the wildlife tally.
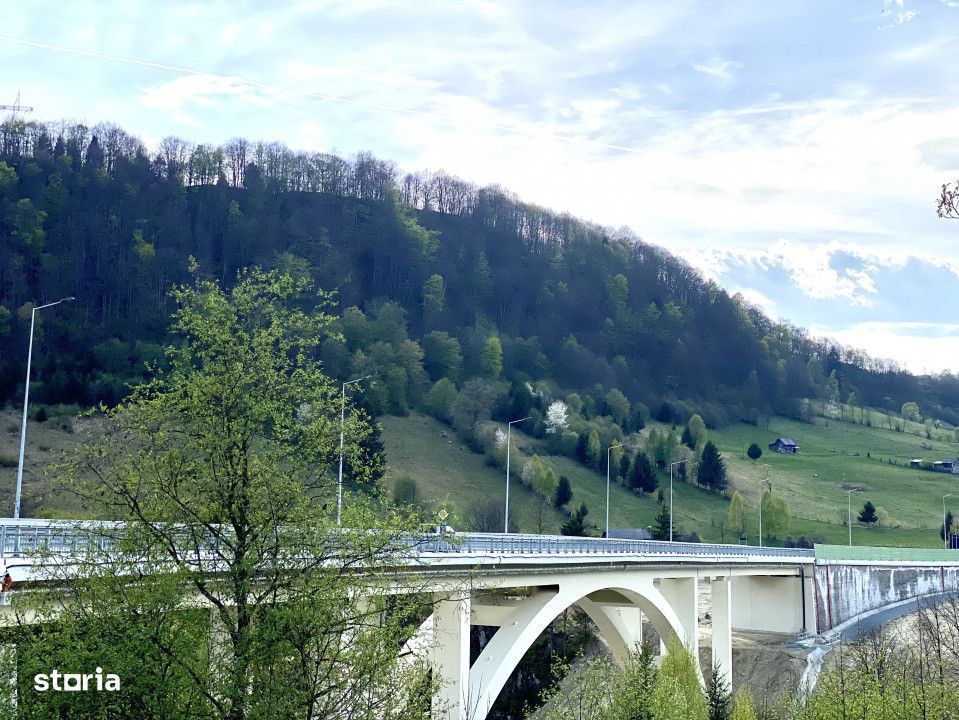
(443, 514)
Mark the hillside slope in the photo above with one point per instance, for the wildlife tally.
(443, 467)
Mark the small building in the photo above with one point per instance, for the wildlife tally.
(950, 465)
(916, 463)
(629, 534)
(784, 445)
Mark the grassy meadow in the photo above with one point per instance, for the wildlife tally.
(834, 457)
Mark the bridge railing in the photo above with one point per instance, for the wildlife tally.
(30, 538)
(522, 544)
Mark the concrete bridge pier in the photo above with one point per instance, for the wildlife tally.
(450, 656)
(720, 590)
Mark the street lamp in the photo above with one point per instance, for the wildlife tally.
(26, 400)
(339, 492)
(945, 530)
(509, 430)
(608, 451)
(678, 462)
(849, 514)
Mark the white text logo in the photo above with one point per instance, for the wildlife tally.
(76, 682)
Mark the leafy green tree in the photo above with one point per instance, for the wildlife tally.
(492, 358)
(754, 452)
(910, 411)
(434, 298)
(676, 692)
(577, 525)
(743, 708)
(617, 405)
(868, 513)
(736, 517)
(473, 405)
(711, 471)
(227, 453)
(697, 431)
(440, 400)
(776, 516)
(594, 449)
(442, 355)
(564, 492)
(948, 527)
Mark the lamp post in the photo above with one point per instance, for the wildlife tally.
(339, 491)
(945, 530)
(26, 401)
(509, 430)
(849, 514)
(608, 451)
(678, 462)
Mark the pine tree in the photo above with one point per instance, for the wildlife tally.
(577, 526)
(718, 696)
(868, 513)
(660, 530)
(712, 470)
(564, 493)
(642, 475)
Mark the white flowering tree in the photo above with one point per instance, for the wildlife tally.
(556, 417)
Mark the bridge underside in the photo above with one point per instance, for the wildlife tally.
(617, 601)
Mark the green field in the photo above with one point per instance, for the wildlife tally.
(834, 456)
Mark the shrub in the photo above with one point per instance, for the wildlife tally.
(8, 461)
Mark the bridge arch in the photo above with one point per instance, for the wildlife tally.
(509, 644)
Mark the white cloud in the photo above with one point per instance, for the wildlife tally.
(718, 68)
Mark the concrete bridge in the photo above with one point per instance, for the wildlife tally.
(518, 584)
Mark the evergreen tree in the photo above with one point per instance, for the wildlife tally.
(577, 526)
(660, 530)
(711, 471)
(943, 529)
(718, 695)
(564, 493)
(868, 513)
(687, 439)
(754, 452)
(581, 442)
(642, 475)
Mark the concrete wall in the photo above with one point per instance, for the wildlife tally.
(844, 590)
(771, 604)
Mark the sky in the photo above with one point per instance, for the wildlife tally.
(792, 152)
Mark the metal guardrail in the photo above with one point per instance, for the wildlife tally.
(520, 544)
(74, 537)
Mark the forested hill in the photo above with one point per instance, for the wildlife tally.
(90, 212)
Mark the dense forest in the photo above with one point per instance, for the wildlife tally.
(433, 278)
